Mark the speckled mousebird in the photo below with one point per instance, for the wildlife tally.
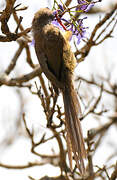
(57, 59)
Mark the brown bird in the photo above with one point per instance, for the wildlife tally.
(58, 63)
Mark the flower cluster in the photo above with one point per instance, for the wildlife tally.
(76, 26)
(85, 6)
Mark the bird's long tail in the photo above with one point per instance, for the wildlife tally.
(75, 140)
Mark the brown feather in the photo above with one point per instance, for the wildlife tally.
(72, 121)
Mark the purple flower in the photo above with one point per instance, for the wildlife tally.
(78, 30)
(59, 11)
(57, 24)
(61, 7)
(32, 43)
(85, 6)
(58, 18)
(76, 27)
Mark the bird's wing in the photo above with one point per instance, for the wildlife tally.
(53, 45)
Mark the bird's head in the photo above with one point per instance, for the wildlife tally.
(42, 17)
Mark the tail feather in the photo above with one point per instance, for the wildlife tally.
(74, 132)
(69, 147)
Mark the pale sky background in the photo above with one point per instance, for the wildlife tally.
(19, 152)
